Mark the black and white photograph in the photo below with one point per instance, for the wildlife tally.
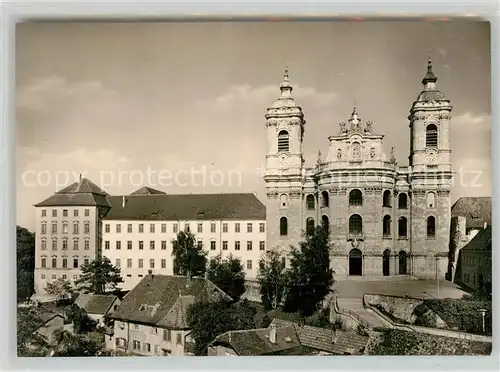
(253, 188)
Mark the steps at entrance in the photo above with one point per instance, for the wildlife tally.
(356, 306)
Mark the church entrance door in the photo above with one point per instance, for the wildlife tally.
(386, 262)
(355, 262)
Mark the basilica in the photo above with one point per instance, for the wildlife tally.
(384, 219)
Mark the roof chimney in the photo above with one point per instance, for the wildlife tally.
(272, 335)
(124, 201)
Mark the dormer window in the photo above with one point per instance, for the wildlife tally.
(283, 141)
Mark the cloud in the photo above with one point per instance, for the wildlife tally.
(264, 96)
(42, 93)
(442, 51)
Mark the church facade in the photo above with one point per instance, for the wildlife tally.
(384, 219)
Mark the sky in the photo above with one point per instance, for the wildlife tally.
(180, 106)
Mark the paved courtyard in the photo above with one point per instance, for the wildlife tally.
(414, 288)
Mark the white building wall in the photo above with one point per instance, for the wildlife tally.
(132, 275)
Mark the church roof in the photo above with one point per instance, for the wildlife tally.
(147, 191)
(480, 242)
(285, 99)
(476, 210)
(430, 92)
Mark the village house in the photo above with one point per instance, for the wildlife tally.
(152, 318)
(97, 306)
(52, 322)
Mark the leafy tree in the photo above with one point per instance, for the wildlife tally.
(82, 323)
(60, 289)
(25, 247)
(228, 275)
(29, 341)
(189, 258)
(273, 280)
(99, 276)
(91, 344)
(311, 277)
(221, 317)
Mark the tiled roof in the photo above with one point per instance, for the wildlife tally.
(476, 210)
(155, 300)
(147, 191)
(95, 304)
(480, 242)
(256, 341)
(81, 193)
(186, 207)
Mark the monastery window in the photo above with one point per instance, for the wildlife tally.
(75, 262)
(44, 213)
(44, 262)
(54, 212)
(118, 245)
(54, 262)
(283, 226)
(431, 200)
(107, 228)
(64, 227)
(402, 227)
(186, 227)
(310, 202)
(386, 227)
(76, 227)
(249, 227)
(431, 136)
(237, 227)
(224, 245)
(129, 263)
(310, 226)
(65, 244)
(325, 199)
(75, 213)
(44, 244)
(86, 228)
(403, 201)
(163, 228)
(87, 212)
(65, 262)
(325, 222)
(175, 228)
(54, 244)
(65, 213)
(44, 228)
(262, 227)
(129, 244)
(387, 199)
(355, 224)
(431, 227)
(106, 244)
(355, 197)
(283, 141)
(54, 227)
(225, 227)
(200, 227)
(213, 245)
(75, 244)
(213, 227)
(283, 201)
(118, 228)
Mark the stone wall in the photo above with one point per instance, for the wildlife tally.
(399, 307)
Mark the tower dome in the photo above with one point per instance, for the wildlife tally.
(430, 91)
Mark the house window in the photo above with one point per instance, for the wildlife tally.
(225, 227)
(431, 227)
(75, 263)
(237, 245)
(64, 276)
(402, 227)
(44, 244)
(54, 262)
(325, 199)
(249, 245)
(262, 245)
(431, 200)
(283, 141)
(386, 226)
(224, 245)
(75, 213)
(64, 263)
(106, 244)
(129, 263)
(237, 227)
(167, 335)
(355, 197)
(44, 213)
(355, 224)
(147, 347)
(44, 227)
(249, 227)
(118, 228)
(283, 226)
(213, 245)
(129, 228)
(152, 228)
(386, 199)
(163, 245)
(249, 264)
(44, 262)
(54, 227)
(87, 212)
(176, 228)
(137, 345)
(64, 227)
(262, 227)
(86, 261)
(86, 245)
(43, 276)
(199, 243)
(129, 244)
(152, 245)
(107, 228)
(283, 201)
(54, 276)
(86, 228)
(118, 263)
(118, 245)
(431, 136)
(152, 263)
(310, 226)
(213, 227)
(75, 245)
(76, 228)
(141, 228)
(54, 244)
(179, 339)
(200, 227)
(163, 227)
(403, 201)
(140, 263)
(65, 213)
(186, 227)
(65, 244)
(163, 263)
(54, 213)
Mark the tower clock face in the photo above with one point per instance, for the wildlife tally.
(431, 155)
(282, 157)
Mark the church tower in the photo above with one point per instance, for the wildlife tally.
(430, 179)
(284, 169)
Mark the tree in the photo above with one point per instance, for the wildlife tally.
(82, 323)
(221, 317)
(189, 257)
(29, 341)
(25, 247)
(228, 275)
(60, 289)
(273, 280)
(91, 344)
(311, 277)
(99, 276)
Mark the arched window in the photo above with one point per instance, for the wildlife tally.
(283, 141)
(387, 198)
(431, 200)
(403, 201)
(310, 201)
(283, 226)
(325, 199)
(431, 227)
(355, 224)
(283, 201)
(310, 226)
(402, 262)
(355, 197)
(387, 226)
(431, 136)
(325, 222)
(402, 227)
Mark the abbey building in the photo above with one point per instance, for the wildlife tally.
(384, 218)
